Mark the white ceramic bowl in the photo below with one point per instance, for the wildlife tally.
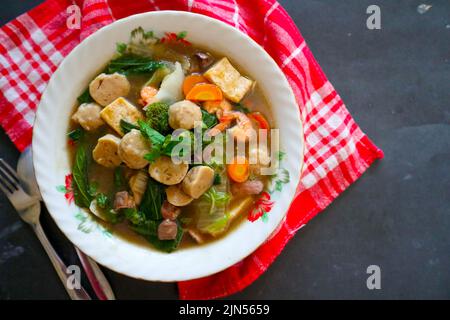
(51, 159)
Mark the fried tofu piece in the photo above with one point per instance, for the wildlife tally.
(226, 77)
(120, 109)
(106, 152)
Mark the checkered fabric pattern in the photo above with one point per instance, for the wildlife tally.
(337, 152)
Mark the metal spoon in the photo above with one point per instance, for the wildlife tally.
(97, 279)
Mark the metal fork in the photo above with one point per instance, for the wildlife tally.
(29, 209)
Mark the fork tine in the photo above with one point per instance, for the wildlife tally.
(10, 170)
(5, 187)
(8, 180)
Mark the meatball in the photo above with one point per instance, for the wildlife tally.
(167, 172)
(184, 114)
(106, 151)
(198, 180)
(88, 116)
(133, 148)
(177, 197)
(108, 87)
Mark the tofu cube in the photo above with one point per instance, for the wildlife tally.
(120, 109)
(226, 77)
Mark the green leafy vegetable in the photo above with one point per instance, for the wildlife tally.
(93, 186)
(217, 226)
(185, 141)
(102, 200)
(158, 117)
(121, 48)
(157, 140)
(240, 107)
(133, 215)
(133, 64)
(154, 154)
(119, 180)
(152, 200)
(80, 178)
(76, 135)
(146, 221)
(158, 76)
(149, 34)
(85, 97)
(166, 245)
(208, 119)
(281, 155)
(127, 127)
(217, 179)
(181, 35)
(146, 228)
(216, 198)
(140, 36)
(211, 214)
(148, 132)
(112, 216)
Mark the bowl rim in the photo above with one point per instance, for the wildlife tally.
(98, 35)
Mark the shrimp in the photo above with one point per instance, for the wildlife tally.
(241, 131)
(147, 95)
(218, 107)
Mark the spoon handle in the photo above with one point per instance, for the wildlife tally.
(60, 267)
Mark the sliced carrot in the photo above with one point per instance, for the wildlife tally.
(260, 119)
(147, 94)
(191, 81)
(205, 92)
(239, 172)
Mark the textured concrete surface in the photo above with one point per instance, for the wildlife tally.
(395, 82)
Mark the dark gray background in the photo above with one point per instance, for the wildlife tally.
(396, 83)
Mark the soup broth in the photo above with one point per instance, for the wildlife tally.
(160, 218)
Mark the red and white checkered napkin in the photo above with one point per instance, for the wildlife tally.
(337, 151)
